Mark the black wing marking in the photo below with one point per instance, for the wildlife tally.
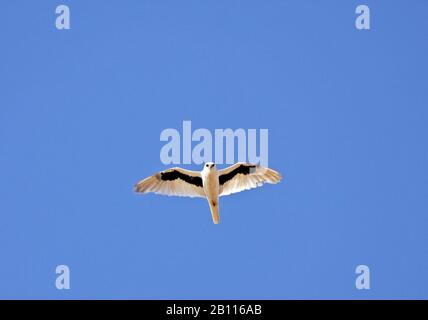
(242, 169)
(175, 174)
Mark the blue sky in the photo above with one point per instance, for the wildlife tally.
(81, 112)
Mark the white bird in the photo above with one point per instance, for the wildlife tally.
(209, 183)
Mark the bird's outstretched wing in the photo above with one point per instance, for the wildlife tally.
(245, 176)
(173, 182)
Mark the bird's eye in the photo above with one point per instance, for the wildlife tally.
(206, 165)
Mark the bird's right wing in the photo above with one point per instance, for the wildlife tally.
(173, 182)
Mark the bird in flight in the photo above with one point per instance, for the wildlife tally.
(210, 183)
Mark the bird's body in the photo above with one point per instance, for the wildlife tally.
(209, 183)
(211, 186)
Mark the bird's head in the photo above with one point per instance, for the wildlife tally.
(209, 166)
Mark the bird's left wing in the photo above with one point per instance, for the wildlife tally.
(173, 182)
(245, 176)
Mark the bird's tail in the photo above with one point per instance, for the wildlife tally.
(214, 210)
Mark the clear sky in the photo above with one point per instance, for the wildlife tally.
(81, 112)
